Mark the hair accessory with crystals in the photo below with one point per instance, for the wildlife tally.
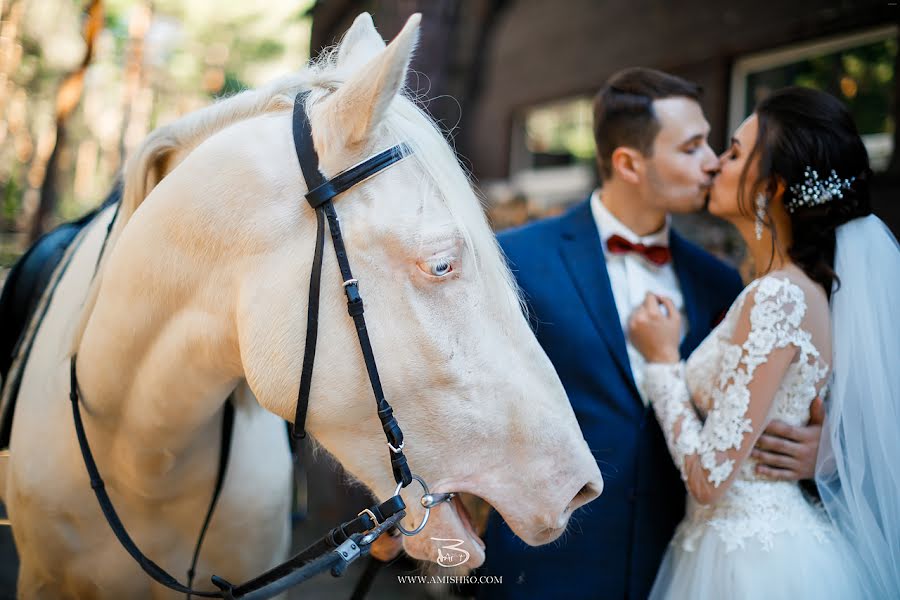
(813, 191)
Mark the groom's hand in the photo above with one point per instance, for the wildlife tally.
(788, 453)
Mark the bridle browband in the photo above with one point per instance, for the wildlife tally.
(347, 542)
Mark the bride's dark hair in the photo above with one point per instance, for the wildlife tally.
(802, 128)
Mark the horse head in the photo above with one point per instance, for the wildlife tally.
(481, 407)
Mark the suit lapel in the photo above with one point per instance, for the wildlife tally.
(691, 288)
(582, 254)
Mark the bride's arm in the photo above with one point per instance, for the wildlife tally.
(764, 343)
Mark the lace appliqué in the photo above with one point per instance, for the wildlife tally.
(693, 397)
(758, 510)
(775, 319)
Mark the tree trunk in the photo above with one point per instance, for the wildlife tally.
(138, 25)
(67, 99)
(10, 55)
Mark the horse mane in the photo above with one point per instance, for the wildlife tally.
(170, 144)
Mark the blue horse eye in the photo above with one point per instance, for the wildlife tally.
(440, 269)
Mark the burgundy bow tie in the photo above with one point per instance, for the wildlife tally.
(658, 255)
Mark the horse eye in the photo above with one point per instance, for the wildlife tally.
(439, 269)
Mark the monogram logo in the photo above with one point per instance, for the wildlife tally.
(451, 555)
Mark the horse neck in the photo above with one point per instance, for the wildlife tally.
(159, 357)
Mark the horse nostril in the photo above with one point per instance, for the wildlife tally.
(588, 492)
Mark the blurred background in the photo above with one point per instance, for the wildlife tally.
(82, 83)
(513, 80)
(510, 81)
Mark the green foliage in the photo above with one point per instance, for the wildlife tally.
(862, 77)
(192, 52)
(232, 86)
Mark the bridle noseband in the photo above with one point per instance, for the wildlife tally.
(350, 540)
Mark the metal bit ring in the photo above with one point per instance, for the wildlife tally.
(421, 525)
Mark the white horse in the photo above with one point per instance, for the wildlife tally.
(203, 289)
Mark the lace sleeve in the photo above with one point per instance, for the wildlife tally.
(765, 341)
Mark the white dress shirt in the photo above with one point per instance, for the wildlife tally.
(632, 276)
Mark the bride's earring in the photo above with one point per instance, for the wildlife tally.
(761, 201)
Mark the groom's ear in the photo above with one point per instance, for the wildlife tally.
(628, 164)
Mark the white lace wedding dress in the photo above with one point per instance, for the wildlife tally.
(752, 537)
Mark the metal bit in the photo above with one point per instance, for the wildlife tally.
(432, 500)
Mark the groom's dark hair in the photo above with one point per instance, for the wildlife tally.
(624, 115)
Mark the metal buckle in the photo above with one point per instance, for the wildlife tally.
(385, 527)
(372, 516)
(396, 450)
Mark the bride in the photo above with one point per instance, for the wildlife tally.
(815, 322)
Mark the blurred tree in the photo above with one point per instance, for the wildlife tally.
(67, 98)
(135, 80)
(12, 125)
(137, 64)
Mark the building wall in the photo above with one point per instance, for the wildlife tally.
(482, 62)
(446, 64)
(540, 51)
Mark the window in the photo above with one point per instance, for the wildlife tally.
(558, 133)
(552, 154)
(858, 69)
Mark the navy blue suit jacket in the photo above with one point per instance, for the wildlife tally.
(614, 545)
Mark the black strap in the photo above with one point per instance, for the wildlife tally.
(109, 229)
(100, 488)
(34, 274)
(355, 308)
(309, 166)
(390, 510)
(309, 560)
(224, 453)
(333, 560)
(320, 195)
(304, 146)
(347, 179)
(320, 190)
(312, 334)
(151, 568)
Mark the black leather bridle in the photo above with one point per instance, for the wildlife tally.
(350, 540)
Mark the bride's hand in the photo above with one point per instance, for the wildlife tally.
(655, 333)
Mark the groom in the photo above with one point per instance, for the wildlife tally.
(582, 274)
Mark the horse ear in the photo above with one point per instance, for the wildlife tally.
(361, 103)
(360, 43)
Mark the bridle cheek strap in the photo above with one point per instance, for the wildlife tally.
(321, 193)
